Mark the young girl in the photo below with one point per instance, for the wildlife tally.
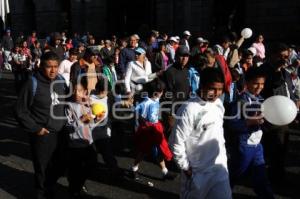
(149, 134)
(82, 156)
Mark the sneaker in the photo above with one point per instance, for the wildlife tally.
(169, 176)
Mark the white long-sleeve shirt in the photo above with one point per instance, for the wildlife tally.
(137, 73)
(197, 140)
(65, 69)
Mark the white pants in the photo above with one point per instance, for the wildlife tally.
(210, 185)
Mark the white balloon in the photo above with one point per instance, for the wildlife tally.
(246, 33)
(279, 110)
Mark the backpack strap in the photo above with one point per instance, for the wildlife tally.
(60, 77)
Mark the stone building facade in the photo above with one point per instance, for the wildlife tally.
(276, 19)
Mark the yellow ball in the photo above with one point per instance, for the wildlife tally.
(98, 109)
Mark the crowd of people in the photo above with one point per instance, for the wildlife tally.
(180, 98)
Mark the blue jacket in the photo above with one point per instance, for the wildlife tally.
(126, 55)
(194, 79)
(238, 123)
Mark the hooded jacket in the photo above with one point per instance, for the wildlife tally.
(42, 109)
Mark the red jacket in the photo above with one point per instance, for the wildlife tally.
(226, 72)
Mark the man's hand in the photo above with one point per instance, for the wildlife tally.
(42, 132)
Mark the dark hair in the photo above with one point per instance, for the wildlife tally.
(110, 59)
(153, 87)
(101, 85)
(150, 34)
(88, 53)
(225, 39)
(83, 82)
(253, 73)
(73, 51)
(162, 43)
(211, 75)
(120, 88)
(48, 56)
(247, 53)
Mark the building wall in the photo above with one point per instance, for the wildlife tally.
(89, 15)
(277, 19)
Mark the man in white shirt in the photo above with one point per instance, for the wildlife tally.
(198, 143)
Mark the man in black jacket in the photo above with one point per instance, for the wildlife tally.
(278, 82)
(177, 76)
(40, 111)
(178, 89)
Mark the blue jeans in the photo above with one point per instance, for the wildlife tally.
(251, 157)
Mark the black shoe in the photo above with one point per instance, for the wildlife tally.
(169, 176)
